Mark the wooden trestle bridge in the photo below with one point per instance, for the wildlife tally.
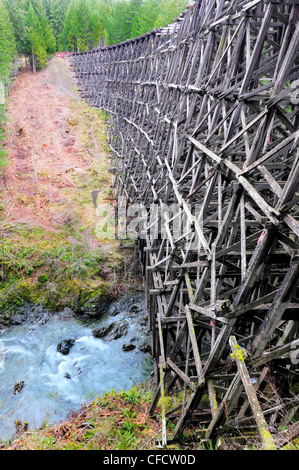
(203, 127)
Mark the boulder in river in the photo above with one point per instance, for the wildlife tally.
(18, 387)
(128, 347)
(112, 331)
(64, 346)
(102, 331)
(145, 346)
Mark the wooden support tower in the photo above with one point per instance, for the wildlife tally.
(203, 119)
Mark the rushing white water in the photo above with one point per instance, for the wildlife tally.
(55, 384)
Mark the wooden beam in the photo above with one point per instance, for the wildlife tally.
(267, 439)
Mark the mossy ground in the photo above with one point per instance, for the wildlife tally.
(115, 421)
(40, 268)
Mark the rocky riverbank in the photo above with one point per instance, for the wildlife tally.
(53, 362)
(112, 319)
(128, 311)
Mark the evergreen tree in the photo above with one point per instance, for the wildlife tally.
(79, 25)
(7, 44)
(104, 9)
(74, 35)
(169, 11)
(123, 18)
(18, 11)
(43, 27)
(7, 55)
(145, 18)
(35, 44)
(48, 36)
(82, 26)
(39, 54)
(95, 23)
(56, 15)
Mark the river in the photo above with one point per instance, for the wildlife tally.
(39, 383)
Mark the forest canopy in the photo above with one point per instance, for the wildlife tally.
(42, 27)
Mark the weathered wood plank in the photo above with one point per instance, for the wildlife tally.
(268, 441)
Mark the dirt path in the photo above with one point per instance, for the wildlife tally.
(46, 151)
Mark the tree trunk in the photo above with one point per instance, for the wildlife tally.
(33, 63)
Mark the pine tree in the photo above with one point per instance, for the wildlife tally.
(71, 27)
(105, 9)
(7, 44)
(39, 54)
(56, 12)
(43, 27)
(169, 11)
(145, 17)
(82, 25)
(123, 18)
(35, 45)
(18, 12)
(7, 55)
(48, 36)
